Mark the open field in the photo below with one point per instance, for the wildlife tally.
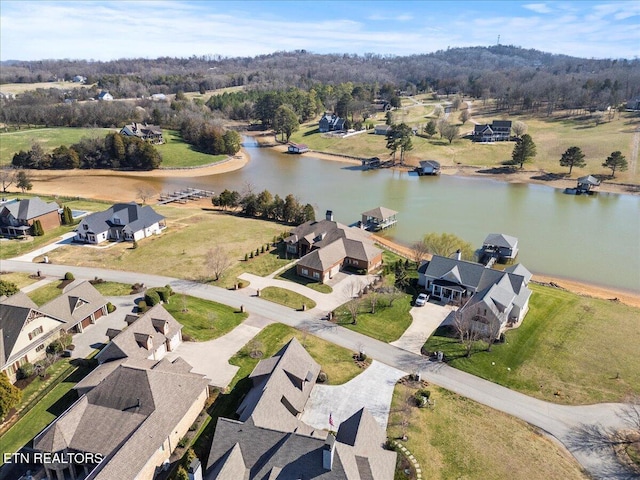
(21, 280)
(287, 298)
(49, 138)
(176, 153)
(569, 349)
(462, 439)
(18, 88)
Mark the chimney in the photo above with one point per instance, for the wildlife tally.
(329, 215)
(458, 255)
(327, 452)
(195, 470)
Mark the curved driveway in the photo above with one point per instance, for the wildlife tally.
(558, 420)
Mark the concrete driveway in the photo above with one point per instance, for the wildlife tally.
(372, 389)
(425, 321)
(211, 358)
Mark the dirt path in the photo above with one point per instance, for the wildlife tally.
(635, 146)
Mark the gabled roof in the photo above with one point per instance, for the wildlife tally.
(30, 208)
(589, 180)
(430, 163)
(78, 300)
(501, 124)
(130, 215)
(380, 213)
(14, 311)
(501, 240)
(521, 270)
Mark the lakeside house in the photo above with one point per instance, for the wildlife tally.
(121, 222)
(270, 441)
(497, 131)
(504, 248)
(324, 247)
(17, 217)
(428, 167)
(330, 122)
(26, 329)
(149, 133)
(297, 148)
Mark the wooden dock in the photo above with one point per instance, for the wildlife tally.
(183, 196)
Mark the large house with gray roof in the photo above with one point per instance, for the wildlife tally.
(17, 217)
(493, 295)
(26, 329)
(121, 222)
(129, 423)
(326, 246)
(148, 133)
(270, 441)
(496, 131)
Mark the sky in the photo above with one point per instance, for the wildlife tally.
(107, 30)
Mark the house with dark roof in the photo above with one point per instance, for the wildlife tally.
(497, 131)
(128, 424)
(326, 246)
(502, 247)
(330, 122)
(121, 222)
(149, 336)
(148, 133)
(381, 129)
(17, 217)
(105, 96)
(428, 167)
(269, 441)
(498, 296)
(79, 306)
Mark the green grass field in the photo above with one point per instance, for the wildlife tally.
(291, 276)
(462, 439)
(287, 298)
(113, 289)
(176, 153)
(46, 293)
(569, 349)
(20, 280)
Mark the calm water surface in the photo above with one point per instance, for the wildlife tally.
(591, 239)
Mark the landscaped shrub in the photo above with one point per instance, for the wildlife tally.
(25, 371)
(65, 340)
(69, 276)
(262, 249)
(152, 297)
(142, 306)
(169, 289)
(246, 257)
(242, 284)
(422, 397)
(322, 377)
(251, 255)
(37, 229)
(183, 442)
(7, 288)
(111, 307)
(55, 348)
(164, 294)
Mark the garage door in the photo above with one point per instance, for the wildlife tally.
(86, 322)
(97, 314)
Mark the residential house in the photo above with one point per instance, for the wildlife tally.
(633, 104)
(158, 97)
(79, 79)
(105, 96)
(428, 167)
(129, 423)
(121, 222)
(150, 337)
(148, 133)
(330, 122)
(498, 296)
(7, 96)
(79, 306)
(381, 129)
(17, 217)
(497, 131)
(503, 247)
(269, 441)
(325, 246)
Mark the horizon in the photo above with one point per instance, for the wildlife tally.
(182, 29)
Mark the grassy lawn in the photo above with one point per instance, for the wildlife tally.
(21, 280)
(183, 247)
(203, 320)
(45, 293)
(176, 153)
(286, 297)
(113, 289)
(462, 439)
(43, 413)
(49, 138)
(569, 349)
(291, 275)
(17, 247)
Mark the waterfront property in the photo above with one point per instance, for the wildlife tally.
(121, 222)
(428, 167)
(498, 247)
(371, 163)
(330, 122)
(585, 184)
(269, 439)
(378, 219)
(497, 131)
(18, 216)
(148, 133)
(325, 246)
(297, 148)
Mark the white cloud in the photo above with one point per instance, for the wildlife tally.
(538, 7)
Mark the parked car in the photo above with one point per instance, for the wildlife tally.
(422, 299)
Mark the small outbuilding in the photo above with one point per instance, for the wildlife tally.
(428, 167)
(378, 219)
(585, 184)
(297, 148)
(504, 248)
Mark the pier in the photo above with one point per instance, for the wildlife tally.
(183, 196)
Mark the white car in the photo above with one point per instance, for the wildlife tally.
(422, 299)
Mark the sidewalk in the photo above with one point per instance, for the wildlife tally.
(66, 239)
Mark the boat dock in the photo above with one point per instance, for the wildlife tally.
(378, 219)
(183, 196)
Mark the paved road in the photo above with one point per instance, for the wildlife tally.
(557, 420)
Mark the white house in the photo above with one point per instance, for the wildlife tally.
(121, 222)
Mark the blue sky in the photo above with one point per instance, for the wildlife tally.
(105, 30)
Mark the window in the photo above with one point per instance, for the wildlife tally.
(305, 271)
(39, 348)
(85, 226)
(35, 333)
(316, 275)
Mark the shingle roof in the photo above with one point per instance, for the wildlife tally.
(521, 270)
(589, 180)
(78, 300)
(14, 311)
(31, 208)
(130, 215)
(380, 213)
(501, 240)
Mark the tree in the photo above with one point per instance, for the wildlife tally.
(430, 128)
(519, 128)
(523, 151)
(37, 229)
(7, 288)
(290, 208)
(65, 158)
(438, 111)
(7, 177)
(572, 157)
(67, 215)
(354, 300)
(285, 122)
(145, 192)
(419, 251)
(446, 244)
(308, 213)
(466, 330)
(615, 161)
(450, 132)
(10, 395)
(464, 116)
(232, 142)
(399, 137)
(23, 181)
(217, 262)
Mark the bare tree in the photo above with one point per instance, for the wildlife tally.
(217, 262)
(145, 192)
(419, 251)
(467, 330)
(7, 177)
(374, 298)
(519, 128)
(354, 301)
(450, 132)
(394, 294)
(464, 116)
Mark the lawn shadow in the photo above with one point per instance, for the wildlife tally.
(550, 177)
(506, 170)
(311, 132)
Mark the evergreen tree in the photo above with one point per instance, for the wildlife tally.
(524, 150)
(10, 395)
(37, 229)
(23, 181)
(615, 161)
(572, 157)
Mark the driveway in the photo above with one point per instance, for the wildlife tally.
(211, 358)
(66, 239)
(372, 389)
(425, 321)
(95, 336)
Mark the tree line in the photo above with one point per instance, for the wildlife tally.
(265, 205)
(114, 151)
